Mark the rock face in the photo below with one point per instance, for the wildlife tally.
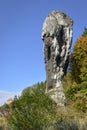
(57, 37)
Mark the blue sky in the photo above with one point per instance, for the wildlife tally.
(21, 47)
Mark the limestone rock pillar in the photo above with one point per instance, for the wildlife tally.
(57, 38)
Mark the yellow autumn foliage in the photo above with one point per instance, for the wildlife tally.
(79, 58)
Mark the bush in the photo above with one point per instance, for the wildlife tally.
(32, 111)
(80, 105)
(67, 124)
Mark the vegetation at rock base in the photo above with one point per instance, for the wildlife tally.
(34, 110)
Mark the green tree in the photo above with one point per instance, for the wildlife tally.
(33, 110)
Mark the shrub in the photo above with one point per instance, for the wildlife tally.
(32, 111)
(66, 124)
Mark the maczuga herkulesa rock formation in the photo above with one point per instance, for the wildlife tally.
(57, 38)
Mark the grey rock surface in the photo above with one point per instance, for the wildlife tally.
(57, 37)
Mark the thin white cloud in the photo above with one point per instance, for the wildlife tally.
(5, 95)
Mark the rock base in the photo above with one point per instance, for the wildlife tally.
(58, 96)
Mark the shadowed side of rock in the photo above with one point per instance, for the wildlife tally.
(57, 37)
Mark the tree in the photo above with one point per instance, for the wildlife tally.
(85, 32)
(33, 110)
(79, 60)
(79, 73)
(83, 74)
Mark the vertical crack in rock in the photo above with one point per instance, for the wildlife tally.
(57, 37)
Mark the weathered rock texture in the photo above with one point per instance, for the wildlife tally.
(57, 37)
